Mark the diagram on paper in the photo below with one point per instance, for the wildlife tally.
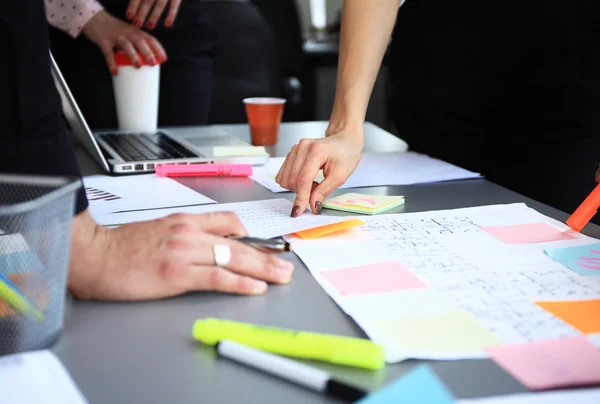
(448, 284)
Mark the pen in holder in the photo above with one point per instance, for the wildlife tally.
(36, 216)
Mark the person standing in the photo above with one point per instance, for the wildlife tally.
(511, 90)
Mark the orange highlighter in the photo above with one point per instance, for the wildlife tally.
(586, 211)
(204, 170)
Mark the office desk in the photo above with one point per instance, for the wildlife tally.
(144, 352)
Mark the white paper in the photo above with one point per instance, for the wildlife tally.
(37, 377)
(135, 192)
(265, 219)
(463, 267)
(579, 396)
(378, 169)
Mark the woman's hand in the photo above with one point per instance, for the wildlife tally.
(108, 33)
(138, 11)
(167, 257)
(337, 154)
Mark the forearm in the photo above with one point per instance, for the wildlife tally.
(71, 16)
(366, 30)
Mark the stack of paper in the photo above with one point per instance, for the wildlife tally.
(266, 219)
(135, 192)
(362, 203)
(378, 169)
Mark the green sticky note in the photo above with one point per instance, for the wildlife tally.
(453, 331)
(363, 203)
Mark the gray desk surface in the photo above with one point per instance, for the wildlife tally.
(144, 353)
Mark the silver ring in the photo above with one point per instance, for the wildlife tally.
(222, 255)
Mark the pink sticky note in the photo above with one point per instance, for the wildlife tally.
(554, 363)
(527, 233)
(374, 278)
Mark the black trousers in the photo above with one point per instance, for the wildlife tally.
(186, 78)
(508, 90)
(33, 137)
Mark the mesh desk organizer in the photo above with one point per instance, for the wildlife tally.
(36, 215)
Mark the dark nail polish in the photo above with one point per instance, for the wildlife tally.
(150, 25)
(168, 23)
(295, 210)
(130, 16)
(138, 64)
(153, 61)
(138, 24)
(318, 207)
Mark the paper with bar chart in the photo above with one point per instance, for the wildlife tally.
(451, 284)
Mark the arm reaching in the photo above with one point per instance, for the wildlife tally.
(366, 30)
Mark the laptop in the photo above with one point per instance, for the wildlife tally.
(120, 152)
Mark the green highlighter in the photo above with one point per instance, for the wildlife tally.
(356, 352)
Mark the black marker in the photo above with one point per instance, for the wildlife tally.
(287, 369)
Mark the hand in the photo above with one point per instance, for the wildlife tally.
(138, 10)
(167, 257)
(109, 33)
(338, 155)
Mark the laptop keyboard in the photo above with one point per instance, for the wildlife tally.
(143, 146)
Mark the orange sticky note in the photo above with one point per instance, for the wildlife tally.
(321, 231)
(583, 315)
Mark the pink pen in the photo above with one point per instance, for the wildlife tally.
(204, 170)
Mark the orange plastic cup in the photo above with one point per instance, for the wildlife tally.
(264, 118)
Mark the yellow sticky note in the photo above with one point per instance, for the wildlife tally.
(454, 331)
(328, 229)
(583, 315)
(239, 151)
(363, 203)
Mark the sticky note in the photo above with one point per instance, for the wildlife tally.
(553, 363)
(362, 203)
(321, 231)
(451, 331)
(584, 260)
(583, 315)
(527, 233)
(419, 386)
(239, 151)
(374, 278)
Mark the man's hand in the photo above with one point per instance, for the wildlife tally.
(138, 11)
(337, 154)
(108, 33)
(167, 257)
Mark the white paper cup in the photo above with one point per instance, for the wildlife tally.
(136, 94)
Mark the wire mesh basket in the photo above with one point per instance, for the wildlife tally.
(36, 215)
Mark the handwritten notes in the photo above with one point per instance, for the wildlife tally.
(328, 229)
(456, 331)
(497, 284)
(548, 364)
(585, 260)
(362, 203)
(375, 278)
(583, 315)
(527, 233)
(266, 219)
(419, 386)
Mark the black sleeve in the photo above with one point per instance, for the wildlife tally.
(33, 135)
